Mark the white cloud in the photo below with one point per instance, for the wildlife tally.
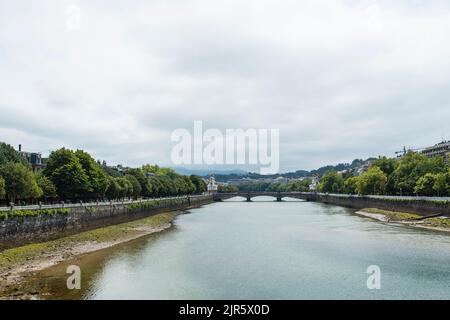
(340, 79)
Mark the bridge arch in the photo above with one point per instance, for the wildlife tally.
(248, 196)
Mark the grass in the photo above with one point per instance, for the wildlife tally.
(155, 204)
(392, 215)
(441, 222)
(15, 256)
(4, 215)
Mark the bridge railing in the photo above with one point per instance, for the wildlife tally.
(286, 194)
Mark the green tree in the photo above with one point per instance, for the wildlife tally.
(441, 185)
(227, 188)
(350, 185)
(146, 187)
(331, 182)
(135, 185)
(67, 174)
(114, 190)
(298, 185)
(373, 182)
(2, 188)
(126, 188)
(8, 154)
(20, 182)
(189, 187)
(424, 185)
(414, 165)
(386, 165)
(200, 185)
(47, 186)
(97, 179)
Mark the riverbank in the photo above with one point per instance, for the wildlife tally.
(19, 264)
(20, 227)
(408, 219)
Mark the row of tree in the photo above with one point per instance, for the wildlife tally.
(75, 175)
(413, 174)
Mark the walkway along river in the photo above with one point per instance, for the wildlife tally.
(265, 250)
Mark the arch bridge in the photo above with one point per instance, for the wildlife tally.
(248, 195)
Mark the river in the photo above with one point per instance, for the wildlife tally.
(267, 250)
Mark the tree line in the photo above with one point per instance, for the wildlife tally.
(75, 175)
(412, 174)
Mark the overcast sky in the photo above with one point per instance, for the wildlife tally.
(339, 79)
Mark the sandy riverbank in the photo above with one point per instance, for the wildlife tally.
(18, 264)
(441, 224)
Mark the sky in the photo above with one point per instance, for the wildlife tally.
(339, 79)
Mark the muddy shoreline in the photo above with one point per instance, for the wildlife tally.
(414, 224)
(19, 265)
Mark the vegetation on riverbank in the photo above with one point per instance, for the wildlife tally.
(414, 173)
(393, 215)
(410, 219)
(155, 204)
(75, 175)
(33, 253)
(4, 215)
(440, 222)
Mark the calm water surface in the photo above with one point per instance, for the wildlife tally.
(269, 250)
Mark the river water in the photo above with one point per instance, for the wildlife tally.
(268, 250)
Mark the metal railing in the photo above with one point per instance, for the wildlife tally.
(94, 204)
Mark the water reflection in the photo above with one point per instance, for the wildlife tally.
(270, 250)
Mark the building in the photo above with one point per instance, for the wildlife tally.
(314, 183)
(360, 170)
(441, 149)
(212, 186)
(34, 159)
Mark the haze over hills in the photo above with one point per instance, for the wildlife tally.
(228, 174)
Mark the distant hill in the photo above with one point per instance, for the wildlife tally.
(207, 172)
(224, 176)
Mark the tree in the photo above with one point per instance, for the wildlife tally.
(227, 188)
(350, 185)
(189, 187)
(97, 179)
(20, 182)
(146, 187)
(298, 185)
(114, 190)
(8, 154)
(126, 188)
(385, 164)
(414, 165)
(425, 184)
(135, 185)
(373, 182)
(441, 185)
(67, 174)
(200, 185)
(2, 188)
(47, 186)
(331, 182)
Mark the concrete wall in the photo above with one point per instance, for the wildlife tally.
(421, 207)
(16, 231)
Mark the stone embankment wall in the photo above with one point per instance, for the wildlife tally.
(19, 230)
(422, 207)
